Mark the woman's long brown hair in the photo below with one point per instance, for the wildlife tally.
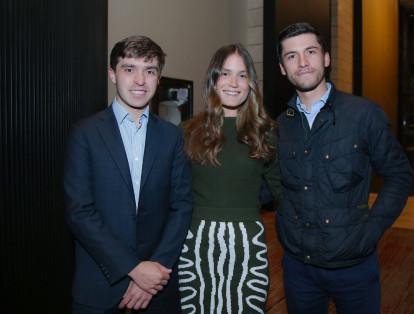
(203, 134)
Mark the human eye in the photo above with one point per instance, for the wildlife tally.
(243, 75)
(224, 73)
(152, 72)
(312, 51)
(290, 56)
(128, 69)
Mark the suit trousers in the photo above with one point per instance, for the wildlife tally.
(83, 309)
(354, 290)
(78, 308)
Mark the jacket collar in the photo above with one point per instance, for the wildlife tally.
(109, 130)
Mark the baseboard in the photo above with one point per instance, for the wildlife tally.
(406, 219)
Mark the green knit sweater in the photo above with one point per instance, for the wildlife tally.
(236, 182)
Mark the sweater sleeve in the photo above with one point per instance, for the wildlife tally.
(272, 175)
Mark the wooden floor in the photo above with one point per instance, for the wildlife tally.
(396, 251)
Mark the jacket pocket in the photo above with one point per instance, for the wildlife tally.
(343, 162)
(346, 234)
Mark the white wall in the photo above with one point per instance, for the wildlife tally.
(189, 31)
(254, 35)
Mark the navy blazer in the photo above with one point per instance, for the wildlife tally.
(111, 235)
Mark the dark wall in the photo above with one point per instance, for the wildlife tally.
(277, 15)
(53, 61)
(406, 79)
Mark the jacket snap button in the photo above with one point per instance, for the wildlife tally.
(307, 257)
(355, 145)
(306, 152)
(327, 221)
(305, 188)
(327, 156)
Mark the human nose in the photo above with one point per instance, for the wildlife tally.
(303, 60)
(139, 78)
(233, 81)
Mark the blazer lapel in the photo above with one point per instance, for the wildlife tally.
(152, 144)
(111, 135)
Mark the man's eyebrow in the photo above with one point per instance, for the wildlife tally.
(313, 47)
(127, 65)
(295, 51)
(150, 67)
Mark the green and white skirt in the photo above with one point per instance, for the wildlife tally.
(223, 267)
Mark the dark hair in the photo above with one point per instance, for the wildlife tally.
(203, 134)
(137, 47)
(296, 29)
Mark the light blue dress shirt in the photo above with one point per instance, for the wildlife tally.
(316, 107)
(133, 137)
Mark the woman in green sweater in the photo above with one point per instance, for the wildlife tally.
(231, 144)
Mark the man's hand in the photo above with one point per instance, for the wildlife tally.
(150, 276)
(135, 298)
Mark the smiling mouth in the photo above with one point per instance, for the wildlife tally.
(138, 92)
(231, 93)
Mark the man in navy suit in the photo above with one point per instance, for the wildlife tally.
(128, 194)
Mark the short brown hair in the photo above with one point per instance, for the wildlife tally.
(137, 47)
(297, 29)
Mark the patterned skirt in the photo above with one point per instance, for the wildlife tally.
(223, 268)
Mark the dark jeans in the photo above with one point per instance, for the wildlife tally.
(353, 289)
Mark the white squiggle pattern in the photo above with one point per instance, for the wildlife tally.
(195, 298)
(198, 264)
(232, 259)
(186, 276)
(261, 279)
(245, 265)
(185, 262)
(220, 266)
(211, 265)
(189, 308)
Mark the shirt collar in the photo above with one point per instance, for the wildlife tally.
(317, 106)
(121, 113)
